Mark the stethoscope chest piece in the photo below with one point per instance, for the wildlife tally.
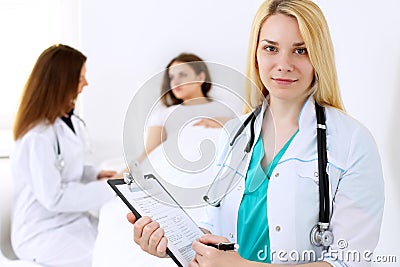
(60, 162)
(321, 237)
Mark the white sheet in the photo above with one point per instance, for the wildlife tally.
(114, 245)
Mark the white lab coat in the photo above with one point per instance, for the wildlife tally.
(356, 190)
(51, 224)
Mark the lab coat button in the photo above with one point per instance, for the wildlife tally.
(277, 174)
(315, 174)
(230, 235)
(278, 228)
(239, 188)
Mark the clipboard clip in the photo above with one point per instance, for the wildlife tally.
(135, 168)
(128, 179)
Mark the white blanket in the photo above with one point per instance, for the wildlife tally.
(115, 245)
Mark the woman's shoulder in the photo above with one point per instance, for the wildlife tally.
(42, 130)
(339, 121)
(39, 137)
(348, 137)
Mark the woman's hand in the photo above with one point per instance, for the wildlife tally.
(120, 174)
(209, 256)
(149, 236)
(212, 122)
(106, 174)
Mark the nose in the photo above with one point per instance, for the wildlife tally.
(82, 83)
(175, 82)
(285, 63)
(85, 82)
(82, 80)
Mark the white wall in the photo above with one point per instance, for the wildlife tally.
(27, 27)
(129, 41)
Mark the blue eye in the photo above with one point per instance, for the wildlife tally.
(270, 48)
(301, 51)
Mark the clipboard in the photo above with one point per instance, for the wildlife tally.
(146, 196)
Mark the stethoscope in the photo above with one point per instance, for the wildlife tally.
(320, 235)
(60, 163)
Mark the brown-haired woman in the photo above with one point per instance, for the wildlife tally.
(54, 188)
(184, 96)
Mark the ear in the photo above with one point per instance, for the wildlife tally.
(202, 77)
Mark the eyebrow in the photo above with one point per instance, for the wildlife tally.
(177, 73)
(276, 43)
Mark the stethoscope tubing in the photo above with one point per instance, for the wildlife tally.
(59, 157)
(324, 201)
(323, 183)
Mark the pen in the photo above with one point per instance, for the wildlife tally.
(225, 246)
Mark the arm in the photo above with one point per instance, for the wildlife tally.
(107, 174)
(150, 237)
(217, 122)
(358, 203)
(155, 137)
(51, 190)
(90, 173)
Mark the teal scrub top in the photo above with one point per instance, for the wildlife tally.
(252, 225)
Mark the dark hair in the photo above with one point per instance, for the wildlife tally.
(167, 96)
(52, 83)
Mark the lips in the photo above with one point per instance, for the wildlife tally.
(284, 81)
(177, 88)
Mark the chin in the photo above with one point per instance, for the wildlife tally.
(179, 96)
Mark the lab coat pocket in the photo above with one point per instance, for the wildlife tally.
(307, 198)
(309, 170)
(308, 181)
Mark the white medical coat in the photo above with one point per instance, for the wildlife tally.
(356, 191)
(51, 207)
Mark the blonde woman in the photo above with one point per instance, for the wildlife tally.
(274, 206)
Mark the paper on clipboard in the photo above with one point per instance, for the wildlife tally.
(148, 197)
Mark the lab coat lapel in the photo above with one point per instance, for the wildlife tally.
(64, 131)
(304, 144)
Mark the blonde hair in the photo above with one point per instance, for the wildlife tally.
(315, 32)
